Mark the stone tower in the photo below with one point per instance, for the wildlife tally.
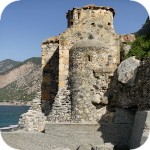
(78, 65)
(91, 65)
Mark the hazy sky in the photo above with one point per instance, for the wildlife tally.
(25, 24)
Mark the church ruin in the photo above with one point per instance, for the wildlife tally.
(86, 87)
(78, 65)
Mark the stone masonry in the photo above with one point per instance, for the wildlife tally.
(78, 64)
(34, 119)
(91, 65)
(50, 64)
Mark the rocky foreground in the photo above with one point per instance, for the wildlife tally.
(59, 137)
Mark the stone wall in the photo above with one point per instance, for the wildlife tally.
(61, 108)
(34, 119)
(50, 63)
(125, 46)
(80, 14)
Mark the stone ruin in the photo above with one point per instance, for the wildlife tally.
(78, 65)
(34, 119)
(82, 82)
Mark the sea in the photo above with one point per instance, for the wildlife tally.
(9, 115)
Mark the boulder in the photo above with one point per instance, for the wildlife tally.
(96, 100)
(127, 70)
(133, 97)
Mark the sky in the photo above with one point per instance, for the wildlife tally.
(26, 23)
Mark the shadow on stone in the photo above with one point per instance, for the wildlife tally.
(116, 123)
(128, 128)
(140, 129)
(50, 82)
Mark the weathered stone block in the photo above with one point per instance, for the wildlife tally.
(127, 70)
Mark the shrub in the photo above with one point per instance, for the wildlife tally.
(140, 48)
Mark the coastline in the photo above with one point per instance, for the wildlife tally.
(9, 128)
(15, 104)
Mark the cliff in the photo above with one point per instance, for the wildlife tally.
(145, 30)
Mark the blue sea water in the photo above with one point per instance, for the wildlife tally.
(9, 115)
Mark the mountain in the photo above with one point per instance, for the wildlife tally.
(7, 64)
(20, 81)
(145, 30)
